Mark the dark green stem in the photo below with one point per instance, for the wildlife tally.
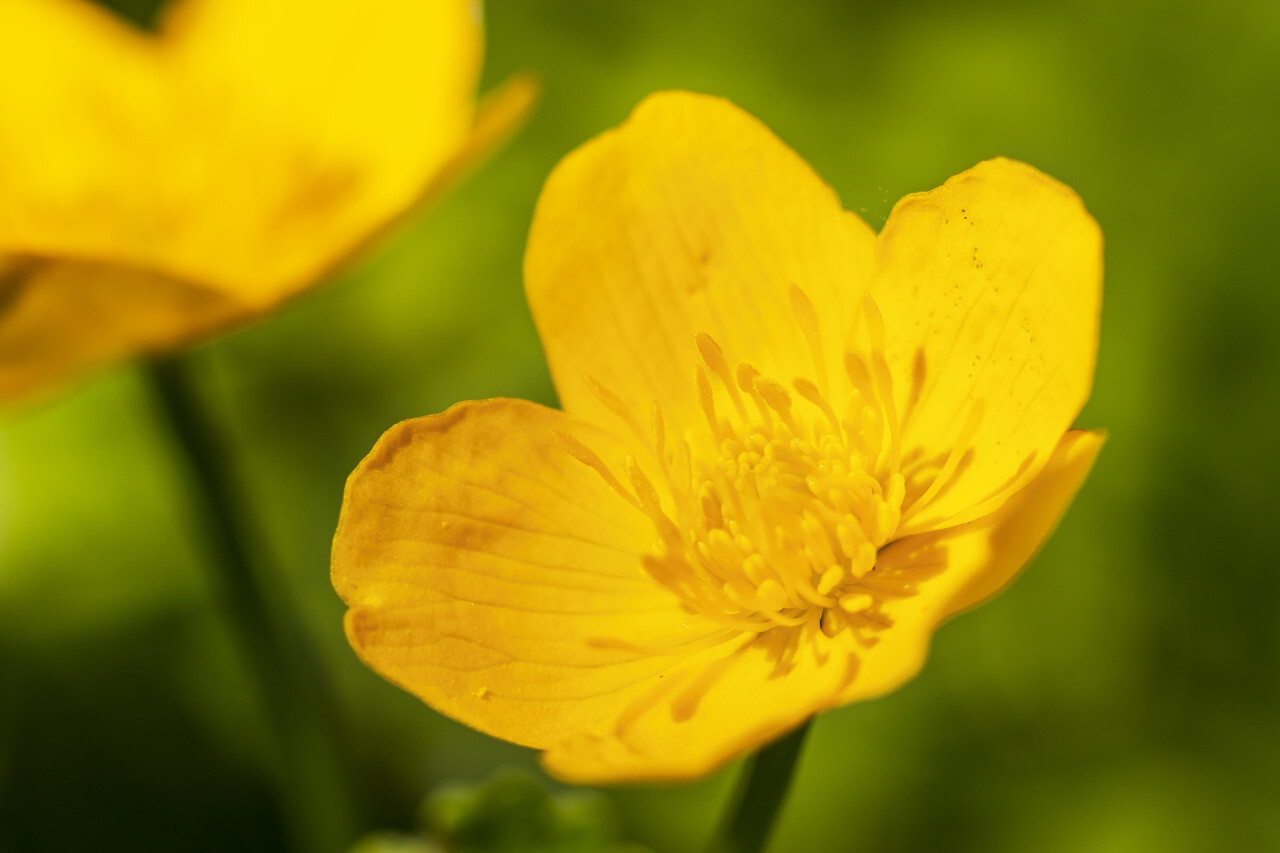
(313, 771)
(766, 780)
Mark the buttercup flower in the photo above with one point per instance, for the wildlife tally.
(154, 188)
(789, 448)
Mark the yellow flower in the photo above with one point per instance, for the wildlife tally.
(155, 188)
(789, 449)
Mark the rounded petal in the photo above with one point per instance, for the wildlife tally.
(967, 564)
(58, 318)
(691, 217)
(238, 156)
(492, 573)
(313, 124)
(990, 288)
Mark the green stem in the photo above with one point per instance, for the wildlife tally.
(313, 791)
(767, 778)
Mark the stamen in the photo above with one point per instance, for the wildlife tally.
(962, 444)
(685, 704)
(811, 393)
(830, 579)
(614, 404)
(856, 602)
(771, 594)
(588, 457)
(644, 489)
(706, 400)
(658, 435)
(714, 358)
(777, 398)
(884, 386)
(776, 519)
(875, 322)
(860, 376)
(919, 372)
(807, 320)
(747, 382)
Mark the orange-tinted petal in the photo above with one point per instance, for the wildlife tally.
(990, 288)
(497, 577)
(691, 217)
(975, 559)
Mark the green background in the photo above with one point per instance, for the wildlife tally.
(1123, 695)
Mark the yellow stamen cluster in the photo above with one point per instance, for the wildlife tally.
(774, 514)
(782, 512)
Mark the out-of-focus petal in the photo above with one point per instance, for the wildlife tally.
(240, 153)
(314, 124)
(118, 312)
(84, 109)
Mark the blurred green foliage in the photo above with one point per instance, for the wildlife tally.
(1122, 696)
(511, 813)
(514, 813)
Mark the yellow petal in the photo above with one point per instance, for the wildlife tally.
(990, 288)
(82, 132)
(314, 122)
(974, 560)
(243, 151)
(719, 704)
(118, 312)
(691, 217)
(497, 577)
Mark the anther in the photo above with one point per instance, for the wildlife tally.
(958, 449)
(856, 602)
(746, 376)
(644, 489)
(807, 320)
(830, 579)
(588, 457)
(658, 435)
(613, 403)
(777, 398)
(875, 322)
(706, 400)
(811, 393)
(714, 358)
(778, 522)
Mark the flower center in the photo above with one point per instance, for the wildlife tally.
(775, 509)
(782, 513)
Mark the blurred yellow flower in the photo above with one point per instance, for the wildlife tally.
(789, 449)
(154, 188)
